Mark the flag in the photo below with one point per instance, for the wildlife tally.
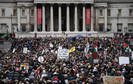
(105, 54)
(95, 51)
(86, 49)
(127, 49)
(72, 49)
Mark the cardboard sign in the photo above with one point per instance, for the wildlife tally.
(123, 60)
(113, 80)
(25, 50)
(63, 54)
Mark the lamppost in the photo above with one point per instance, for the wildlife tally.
(7, 31)
(117, 22)
(12, 30)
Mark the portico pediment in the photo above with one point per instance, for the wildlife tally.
(63, 1)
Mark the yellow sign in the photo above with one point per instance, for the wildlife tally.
(72, 49)
(113, 80)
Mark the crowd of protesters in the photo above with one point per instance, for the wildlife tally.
(17, 67)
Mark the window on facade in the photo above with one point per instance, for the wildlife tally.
(14, 12)
(109, 12)
(32, 28)
(23, 27)
(23, 12)
(32, 12)
(119, 27)
(109, 27)
(130, 27)
(3, 28)
(3, 12)
(130, 12)
(101, 13)
(119, 12)
(100, 27)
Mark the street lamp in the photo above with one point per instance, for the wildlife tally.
(117, 22)
(11, 23)
(7, 31)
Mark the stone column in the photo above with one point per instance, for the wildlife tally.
(28, 19)
(105, 19)
(51, 18)
(59, 17)
(76, 18)
(35, 18)
(92, 17)
(97, 19)
(18, 18)
(84, 29)
(68, 19)
(43, 18)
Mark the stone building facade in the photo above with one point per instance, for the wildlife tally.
(45, 17)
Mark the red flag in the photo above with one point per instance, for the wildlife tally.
(87, 16)
(125, 45)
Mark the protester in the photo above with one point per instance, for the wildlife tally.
(17, 67)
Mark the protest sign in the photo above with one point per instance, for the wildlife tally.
(63, 54)
(91, 39)
(41, 59)
(132, 55)
(95, 60)
(24, 50)
(113, 80)
(123, 60)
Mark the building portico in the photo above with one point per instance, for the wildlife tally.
(64, 17)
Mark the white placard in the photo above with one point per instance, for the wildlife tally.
(25, 50)
(63, 53)
(41, 59)
(95, 61)
(123, 60)
(132, 55)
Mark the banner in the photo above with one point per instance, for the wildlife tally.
(72, 49)
(123, 60)
(63, 54)
(87, 16)
(113, 80)
(39, 15)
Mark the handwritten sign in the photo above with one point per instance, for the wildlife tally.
(123, 60)
(63, 54)
(113, 80)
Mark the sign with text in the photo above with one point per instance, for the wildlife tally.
(63, 54)
(123, 60)
(25, 50)
(113, 80)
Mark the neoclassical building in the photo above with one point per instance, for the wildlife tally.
(72, 17)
